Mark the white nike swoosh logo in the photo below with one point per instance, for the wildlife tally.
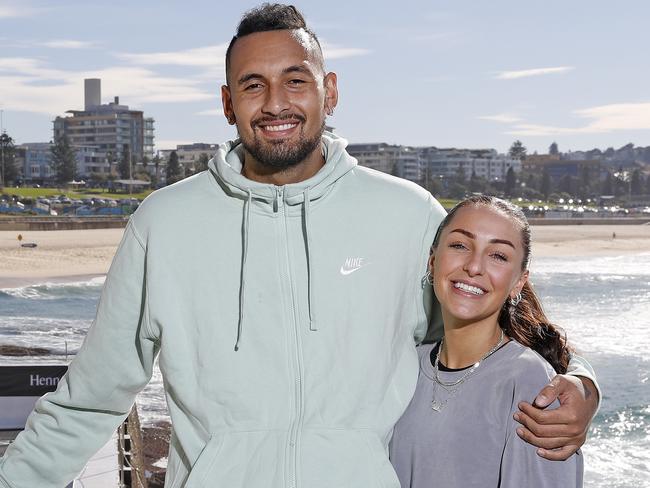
(346, 271)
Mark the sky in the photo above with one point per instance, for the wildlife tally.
(471, 74)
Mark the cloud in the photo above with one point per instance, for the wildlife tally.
(214, 56)
(513, 75)
(334, 51)
(68, 44)
(30, 85)
(54, 44)
(213, 112)
(208, 56)
(15, 9)
(605, 118)
(504, 118)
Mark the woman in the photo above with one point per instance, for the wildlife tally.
(498, 349)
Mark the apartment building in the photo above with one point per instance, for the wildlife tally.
(102, 133)
(402, 161)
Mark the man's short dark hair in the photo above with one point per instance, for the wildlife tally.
(270, 17)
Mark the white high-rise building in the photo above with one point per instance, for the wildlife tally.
(102, 133)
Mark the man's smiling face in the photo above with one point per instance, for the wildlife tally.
(278, 95)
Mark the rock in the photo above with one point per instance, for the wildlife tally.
(12, 350)
(156, 447)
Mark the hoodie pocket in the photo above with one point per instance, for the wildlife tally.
(204, 463)
(345, 458)
(384, 471)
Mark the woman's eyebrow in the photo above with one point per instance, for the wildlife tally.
(492, 241)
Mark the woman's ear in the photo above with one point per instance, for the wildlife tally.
(432, 259)
(519, 285)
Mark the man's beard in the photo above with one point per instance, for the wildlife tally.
(282, 154)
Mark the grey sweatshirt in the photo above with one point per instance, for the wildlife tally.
(471, 441)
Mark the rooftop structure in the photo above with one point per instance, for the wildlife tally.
(105, 132)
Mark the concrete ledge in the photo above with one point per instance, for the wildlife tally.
(62, 223)
(590, 221)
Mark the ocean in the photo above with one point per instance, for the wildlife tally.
(603, 303)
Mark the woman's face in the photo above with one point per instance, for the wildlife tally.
(477, 264)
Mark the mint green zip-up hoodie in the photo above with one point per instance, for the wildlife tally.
(284, 320)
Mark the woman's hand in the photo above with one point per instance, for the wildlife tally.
(559, 433)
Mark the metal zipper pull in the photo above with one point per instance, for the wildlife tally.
(278, 199)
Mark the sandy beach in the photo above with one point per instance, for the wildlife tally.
(60, 255)
(76, 255)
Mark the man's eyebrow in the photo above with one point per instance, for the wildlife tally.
(290, 69)
(297, 68)
(492, 241)
(248, 77)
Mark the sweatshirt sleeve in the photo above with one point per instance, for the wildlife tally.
(430, 323)
(114, 363)
(520, 465)
(579, 366)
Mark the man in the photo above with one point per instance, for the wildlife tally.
(281, 290)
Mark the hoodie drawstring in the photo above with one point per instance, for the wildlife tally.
(242, 294)
(310, 261)
(310, 269)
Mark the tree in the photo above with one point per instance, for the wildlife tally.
(568, 185)
(173, 168)
(435, 187)
(460, 174)
(8, 170)
(124, 167)
(545, 188)
(110, 159)
(457, 190)
(608, 184)
(636, 184)
(511, 182)
(517, 150)
(476, 184)
(202, 164)
(64, 161)
(584, 185)
(156, 166)
(553, 149)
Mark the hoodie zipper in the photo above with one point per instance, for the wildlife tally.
(278, 205)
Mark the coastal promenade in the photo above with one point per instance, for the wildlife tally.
(36, 223)
(79, 255)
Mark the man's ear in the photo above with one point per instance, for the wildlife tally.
(331, 92)
(226, 102)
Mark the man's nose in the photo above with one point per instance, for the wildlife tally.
(276, 100)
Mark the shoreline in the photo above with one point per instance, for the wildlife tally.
(64, 256)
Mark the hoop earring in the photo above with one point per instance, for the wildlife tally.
(428, 278)
(514, 301)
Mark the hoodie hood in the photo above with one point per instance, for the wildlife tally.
(226, 166)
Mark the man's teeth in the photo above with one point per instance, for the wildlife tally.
(468, 288)
(277, 128)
